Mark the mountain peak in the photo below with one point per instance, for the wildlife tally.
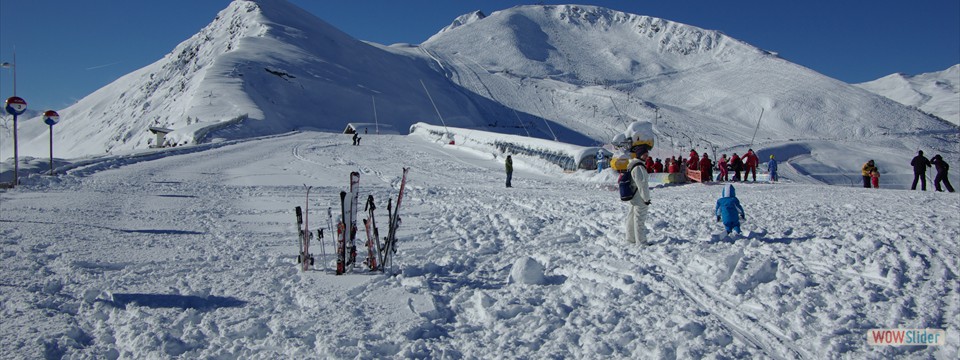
(464, 19)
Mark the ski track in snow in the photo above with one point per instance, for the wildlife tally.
(192, 255)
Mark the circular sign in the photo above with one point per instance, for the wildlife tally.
(16, 105)
(51, 117)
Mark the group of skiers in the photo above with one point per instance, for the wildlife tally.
(920, 164)
(736, 164)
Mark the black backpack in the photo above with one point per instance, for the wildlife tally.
(627, 188)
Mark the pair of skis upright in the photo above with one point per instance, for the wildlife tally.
(305, 258)
(390, 242)
(378, 255)
(347, 228)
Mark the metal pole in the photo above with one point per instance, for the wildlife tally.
(4, 65)
(51, 150)
(14, 71)
(375, 119)
(16, 153)
(758, 127)
(521, 122)
(434, 106)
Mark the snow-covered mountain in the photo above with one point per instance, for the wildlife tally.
(937, 93)
(573, 73)
(260, 67)
(594, 69)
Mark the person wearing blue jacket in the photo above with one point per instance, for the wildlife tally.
(728, 208)
(772, 169)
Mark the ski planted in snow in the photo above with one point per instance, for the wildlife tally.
(348, 226)
(390, 241)
(341, 232)
(299, 212)
(373, 241)
(305, 258)
(352, 215)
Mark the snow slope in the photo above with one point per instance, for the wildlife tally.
(937, 93)
(577, 74)
(189, 252)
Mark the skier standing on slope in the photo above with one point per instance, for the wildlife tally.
(705, 168)
(737, 166)
(772, 169)
(750, 161)
(866, 170)
(509, 167)
(728, 208)
(920, 164)
(942, 168)
(694, 162)
(636, 230)
(722, 166)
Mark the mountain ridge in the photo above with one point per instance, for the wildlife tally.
(937, 92)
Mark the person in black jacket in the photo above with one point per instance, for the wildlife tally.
(942, 168)
(920, 165)
(509, 167)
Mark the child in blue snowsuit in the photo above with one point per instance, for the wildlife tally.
(728, 207)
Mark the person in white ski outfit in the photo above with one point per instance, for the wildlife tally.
(636, 231)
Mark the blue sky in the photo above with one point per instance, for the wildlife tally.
(66, 49)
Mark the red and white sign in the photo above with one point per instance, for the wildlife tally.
(16, 105)
(51, 117)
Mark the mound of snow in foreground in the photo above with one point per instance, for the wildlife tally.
(192, 254)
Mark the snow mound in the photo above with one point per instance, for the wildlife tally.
(528, 271)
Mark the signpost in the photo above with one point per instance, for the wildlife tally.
(51, 118)
(15, 106)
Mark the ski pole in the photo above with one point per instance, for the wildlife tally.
(323, 251)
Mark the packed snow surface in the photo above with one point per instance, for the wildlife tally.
(190, 252)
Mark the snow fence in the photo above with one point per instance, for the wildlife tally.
(567, 156)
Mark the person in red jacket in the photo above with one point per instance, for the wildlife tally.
(648, 164)
(672, 166)
(750, 162)
(722, 166)
(705, 168)
(658, 166)
(694, 162)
